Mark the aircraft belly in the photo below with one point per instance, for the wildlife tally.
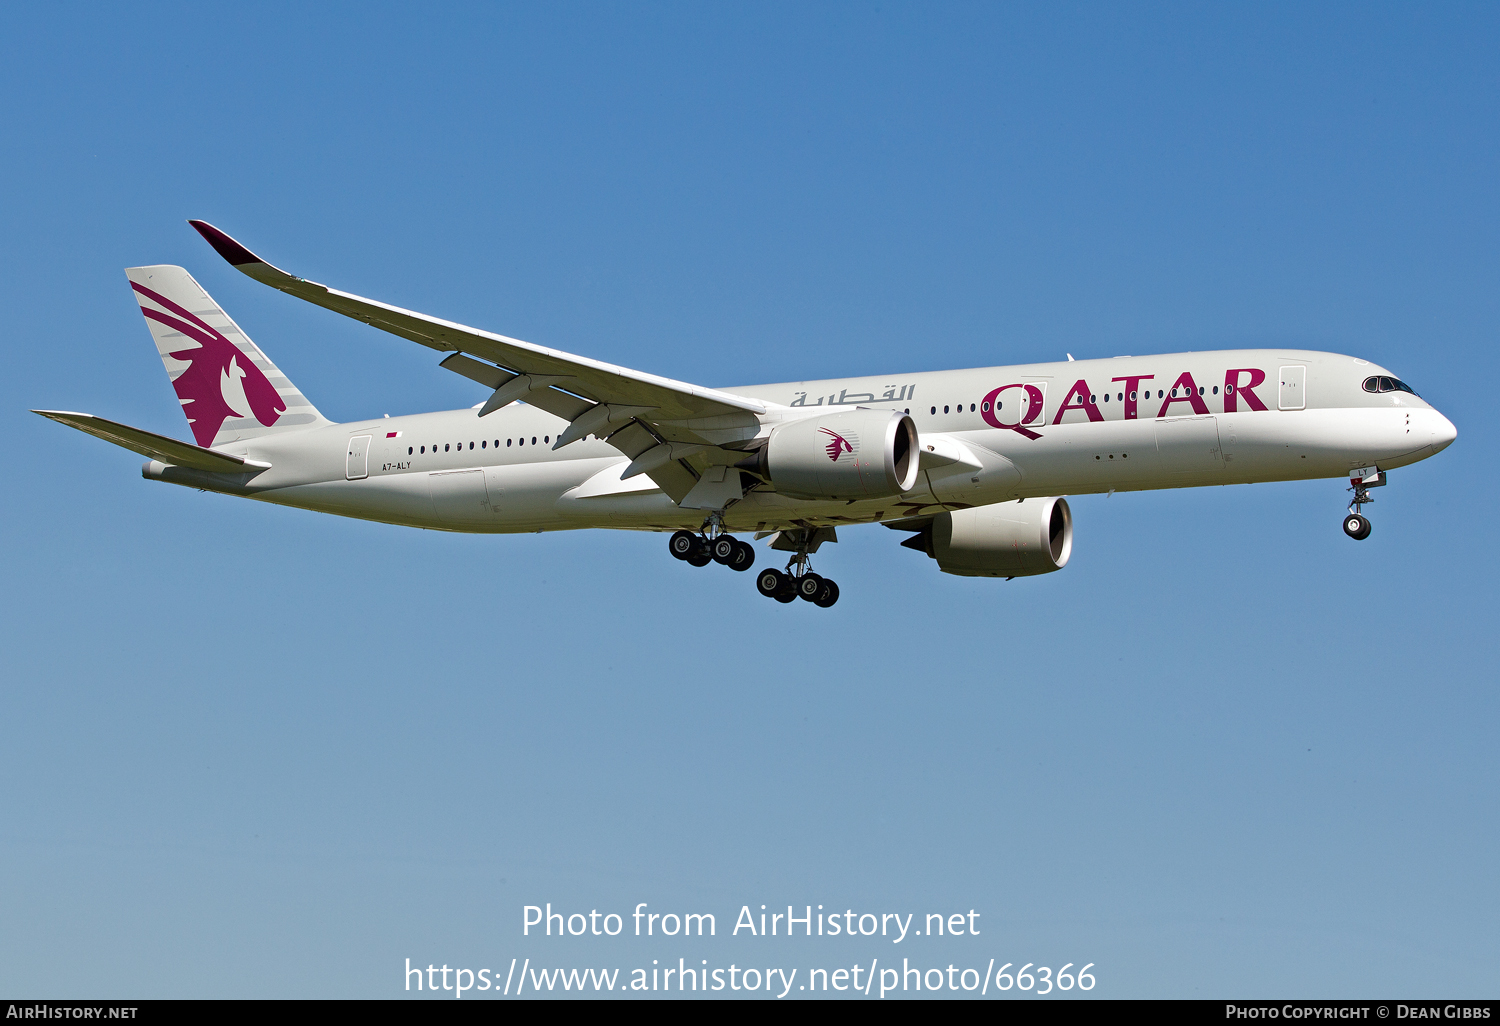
(1224, 448)
(1276, 446)
(1078, 458)
(394, 499)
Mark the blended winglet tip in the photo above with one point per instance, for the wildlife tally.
(225, 246)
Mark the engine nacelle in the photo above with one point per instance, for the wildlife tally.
(861, 454)
(1006, 539)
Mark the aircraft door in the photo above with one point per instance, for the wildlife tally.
(1293, 388)
(357, 466)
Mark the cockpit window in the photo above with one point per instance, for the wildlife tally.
(1381, 383)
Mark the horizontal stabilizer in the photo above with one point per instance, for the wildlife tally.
(157, 447)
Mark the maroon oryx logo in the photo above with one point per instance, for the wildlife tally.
(220, 382)
(839, 444)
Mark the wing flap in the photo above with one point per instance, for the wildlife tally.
(157, 447)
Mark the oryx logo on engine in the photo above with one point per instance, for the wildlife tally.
(840, 444)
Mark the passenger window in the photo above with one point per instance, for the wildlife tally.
(408, 450)
(945, 409)
(1132, 395)
(986, 407)
(547, 438)
(1229, 390)
(934, 411)
(533, 439)
(424, 450)
(1216, 390)
(445, 446)
(507, 443)
(971, 407)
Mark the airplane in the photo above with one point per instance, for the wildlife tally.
(974, 465)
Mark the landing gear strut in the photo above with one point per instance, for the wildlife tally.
(1356, 524)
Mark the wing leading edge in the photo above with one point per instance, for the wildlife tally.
(648, 418)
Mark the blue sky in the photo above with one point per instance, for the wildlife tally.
(1227, 751)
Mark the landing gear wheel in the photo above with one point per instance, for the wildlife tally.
(828, 595)
(723, 549)
(770, 582)
(701, 554)
(683, 544)
(1357, 526)
(785, 596)
(744, 557)
(809, 587)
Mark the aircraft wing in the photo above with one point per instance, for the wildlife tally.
(158, 447)
(658, 422)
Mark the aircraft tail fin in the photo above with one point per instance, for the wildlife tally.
(228, 388)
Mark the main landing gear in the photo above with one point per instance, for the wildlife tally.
(1356, 524)
(788, 587)
(798, 581)
(700, 550)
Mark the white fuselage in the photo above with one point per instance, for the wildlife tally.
(1307, 417)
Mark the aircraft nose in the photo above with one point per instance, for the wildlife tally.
(1443, 432)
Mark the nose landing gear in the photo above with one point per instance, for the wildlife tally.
(1356, 524)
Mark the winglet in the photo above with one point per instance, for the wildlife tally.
(248, 263)
(226, 247)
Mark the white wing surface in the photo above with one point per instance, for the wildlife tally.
(641, 414)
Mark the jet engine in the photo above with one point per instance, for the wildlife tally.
(1006, 539)
(861, 454)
